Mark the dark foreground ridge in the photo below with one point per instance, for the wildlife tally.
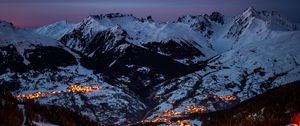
(28, 113)
(276, 107)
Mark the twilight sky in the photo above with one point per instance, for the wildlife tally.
(33, 13)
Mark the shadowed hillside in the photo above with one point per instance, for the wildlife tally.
(276, 107)
(13, 113)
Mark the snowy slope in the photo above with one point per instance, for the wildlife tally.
(253, 22)
(140, 32)
(55, 30)
(36, 53)
(26, 43)
(203, 23)
(257, 62)
(162, 38)
(11, 35)
(110, 105)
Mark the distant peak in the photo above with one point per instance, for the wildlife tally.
(118, 30)
(111, 15)
(148, 19)
(59, 23)
(192, 16)
(261, 14)
(6, 24)
(250, 11)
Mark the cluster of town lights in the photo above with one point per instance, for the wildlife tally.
(166, 115)
(70, 89)
(225, 97)
(194, 109)
(228, 98)
(163, 118)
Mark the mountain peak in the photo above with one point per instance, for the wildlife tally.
(250, 11)
(55, 30)
(6, 24)
(118, 31)
(62, 23)
(111, 15)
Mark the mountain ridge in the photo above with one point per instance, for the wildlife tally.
(127, 69)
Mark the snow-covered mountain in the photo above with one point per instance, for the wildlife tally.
(107, 46)
(258, 61)
(31, 63)
(119, 69)
(203, 23)
(21, 49)
(253, 22)
(55, 30)
(164, 38)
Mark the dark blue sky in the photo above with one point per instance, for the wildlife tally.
(34, 13)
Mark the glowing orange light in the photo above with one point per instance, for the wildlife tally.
(195, 109)
(295, 119)
(226, 97)
(71, 88)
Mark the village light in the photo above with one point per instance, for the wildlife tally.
(71, 88)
